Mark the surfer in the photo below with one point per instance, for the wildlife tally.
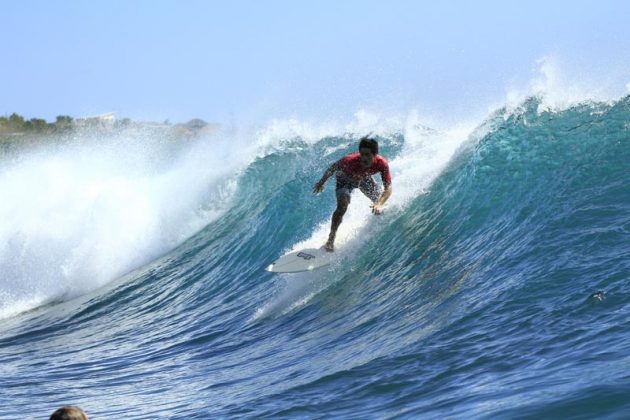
(355, 171)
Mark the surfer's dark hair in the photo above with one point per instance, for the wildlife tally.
(369, 143)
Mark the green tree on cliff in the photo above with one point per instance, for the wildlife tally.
(63, 122)
(16, 122)
(38, 124)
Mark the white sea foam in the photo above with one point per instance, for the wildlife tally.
(277, 132)
(74, 218)
(559, 88)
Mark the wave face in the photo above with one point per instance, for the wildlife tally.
(495, 285)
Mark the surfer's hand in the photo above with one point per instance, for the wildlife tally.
(377, 208)
(319, 187)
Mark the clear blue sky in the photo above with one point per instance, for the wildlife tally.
(222, 60)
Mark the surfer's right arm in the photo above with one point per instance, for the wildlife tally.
(319, 186)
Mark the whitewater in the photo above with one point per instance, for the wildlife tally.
(133, 277)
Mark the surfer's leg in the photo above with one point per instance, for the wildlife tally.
(343, 200)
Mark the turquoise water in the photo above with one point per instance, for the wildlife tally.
(495, 285)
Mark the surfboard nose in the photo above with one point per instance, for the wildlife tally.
(302, 260)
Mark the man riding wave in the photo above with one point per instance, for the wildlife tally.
(355, 171)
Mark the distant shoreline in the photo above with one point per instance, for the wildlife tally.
(16, 131)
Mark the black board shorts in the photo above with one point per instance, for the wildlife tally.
(367, 186)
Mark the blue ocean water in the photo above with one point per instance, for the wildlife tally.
(495, 285)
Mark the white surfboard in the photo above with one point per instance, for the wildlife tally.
(303, 260)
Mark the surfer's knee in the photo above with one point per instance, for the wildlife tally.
(342, 205)
(338, 214)
(340, 211)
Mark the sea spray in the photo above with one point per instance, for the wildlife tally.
(74, 217)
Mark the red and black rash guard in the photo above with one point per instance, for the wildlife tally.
(351, 166)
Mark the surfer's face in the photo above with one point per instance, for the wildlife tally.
(367, 157)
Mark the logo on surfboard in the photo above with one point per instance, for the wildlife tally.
(305, 255)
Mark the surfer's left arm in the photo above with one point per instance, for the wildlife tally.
(377, 207)
(386, 177)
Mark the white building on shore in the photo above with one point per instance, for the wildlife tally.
(106, 120)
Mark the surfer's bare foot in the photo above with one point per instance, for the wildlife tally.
(330, 247)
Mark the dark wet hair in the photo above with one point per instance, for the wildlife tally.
(69, 412)
(369, 143)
